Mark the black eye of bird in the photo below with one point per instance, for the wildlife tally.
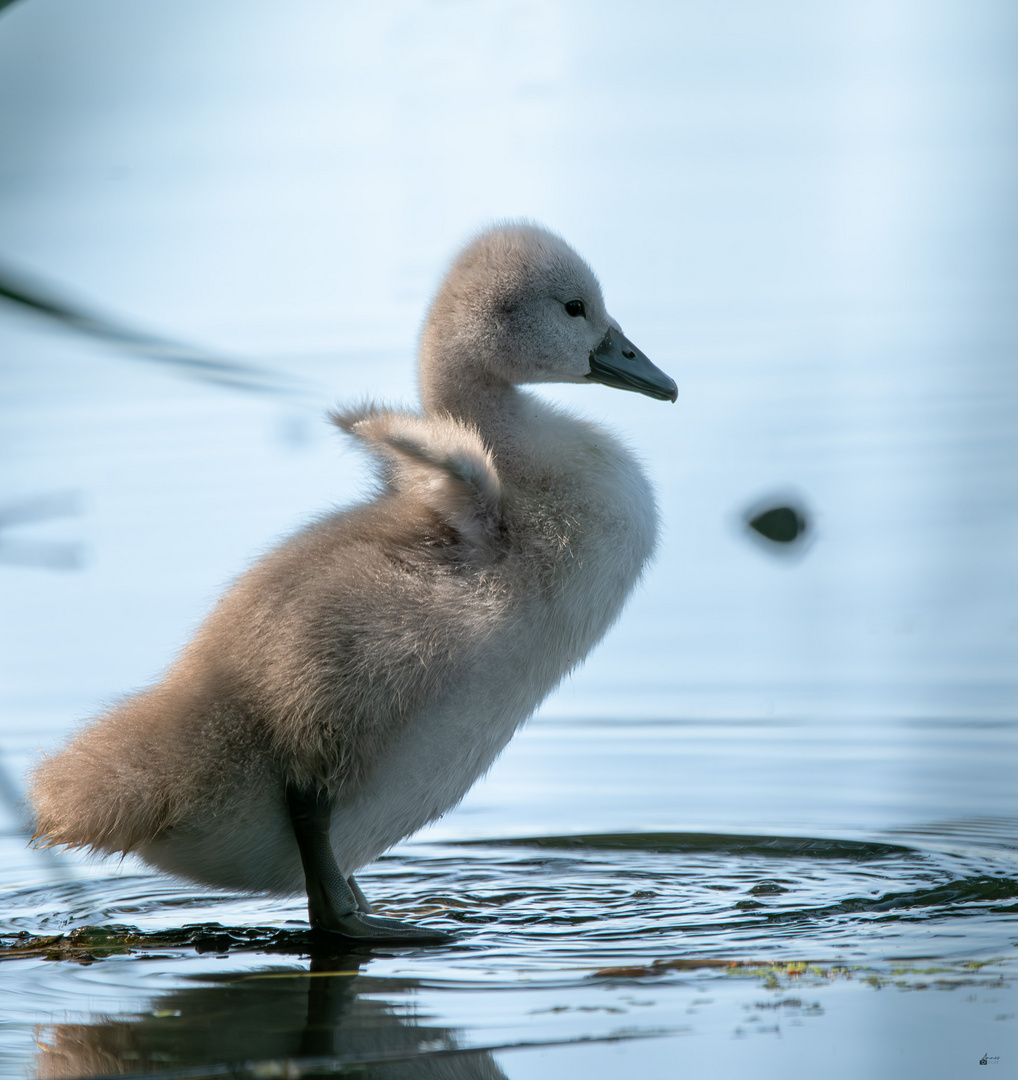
(575, 308)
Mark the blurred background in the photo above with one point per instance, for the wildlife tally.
(219, 220)
(805, 214)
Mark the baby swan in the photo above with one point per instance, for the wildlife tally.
(358, 679)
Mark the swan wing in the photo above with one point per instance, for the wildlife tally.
(439, 461)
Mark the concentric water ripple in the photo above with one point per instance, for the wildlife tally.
(559, 939)
(581, 900)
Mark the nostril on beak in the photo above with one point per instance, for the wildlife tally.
(629, 355)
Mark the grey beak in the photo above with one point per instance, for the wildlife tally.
(618, 362)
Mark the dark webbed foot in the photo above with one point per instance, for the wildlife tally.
(373, 928)
(336, 905)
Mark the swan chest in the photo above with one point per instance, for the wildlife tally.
(580, 547)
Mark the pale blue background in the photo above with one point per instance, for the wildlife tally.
(804, 212)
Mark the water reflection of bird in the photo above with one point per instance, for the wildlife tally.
(279, 1023)
(354, 683)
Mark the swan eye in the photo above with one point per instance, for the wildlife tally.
(575, 308)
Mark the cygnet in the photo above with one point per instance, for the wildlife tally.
(355, 682)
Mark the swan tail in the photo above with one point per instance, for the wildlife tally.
(86, 795)
(133, 772)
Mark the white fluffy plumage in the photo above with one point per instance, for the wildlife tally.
(389, 651)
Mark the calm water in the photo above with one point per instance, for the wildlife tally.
(809, 934)
(771, 825)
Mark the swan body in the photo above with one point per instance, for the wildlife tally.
(359, 678)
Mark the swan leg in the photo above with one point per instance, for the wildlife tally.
(333, 902)
(362, 900)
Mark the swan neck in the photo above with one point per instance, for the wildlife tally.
(463, 388)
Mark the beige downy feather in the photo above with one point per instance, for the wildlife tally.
(391, 649)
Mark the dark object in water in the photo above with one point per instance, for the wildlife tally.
(779, 524)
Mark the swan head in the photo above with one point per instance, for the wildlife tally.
(518, 305)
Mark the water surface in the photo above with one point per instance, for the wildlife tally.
(770, 826)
